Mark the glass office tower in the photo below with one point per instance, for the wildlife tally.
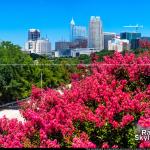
(96, 37)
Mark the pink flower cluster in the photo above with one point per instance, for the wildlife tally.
(145, 44)
(106, 97)
(106, 146)
(82, 142)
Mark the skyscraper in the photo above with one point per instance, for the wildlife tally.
(96, 37)
(33, 34)
(72, 25)
(77, 32)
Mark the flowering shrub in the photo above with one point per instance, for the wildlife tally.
(145, 44)
(101, 109)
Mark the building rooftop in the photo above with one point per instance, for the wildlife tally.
(131, 32)
(95, 18)
(33, 30)
(107, 33)
(72, 22)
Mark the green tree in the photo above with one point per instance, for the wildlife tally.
(13, 75)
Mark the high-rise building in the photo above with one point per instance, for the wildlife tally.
(72, 25)
(37, 45)
(43, 47)
(107, 37)
(33, 34)
(130, 35)
(96, 37)
(77, 32)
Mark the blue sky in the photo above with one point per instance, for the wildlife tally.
(52, 17)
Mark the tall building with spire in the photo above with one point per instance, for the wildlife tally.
(77, 32)
(96, 37)
(72, 25)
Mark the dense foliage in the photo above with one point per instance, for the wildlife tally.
(19, 71)
(101, 110)
(13, 77)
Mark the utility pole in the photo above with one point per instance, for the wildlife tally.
(41, 82)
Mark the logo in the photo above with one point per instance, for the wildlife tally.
(143, 134)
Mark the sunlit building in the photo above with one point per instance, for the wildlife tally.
(33, 34)
(43, 47)
(37, 45)
(77, 32)
(30, 46)
(119, 45)
(107, 37)
(96, 37)
(83, 51)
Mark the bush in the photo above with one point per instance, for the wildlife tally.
(101, 110)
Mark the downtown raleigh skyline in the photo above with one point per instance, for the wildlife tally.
(53, 18)
(84, 40)
(93, 35)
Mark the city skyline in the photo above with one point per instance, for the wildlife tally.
(53, 18)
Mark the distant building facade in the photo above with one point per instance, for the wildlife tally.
(37, 45)
(33, 34)
(43, 47)
(82, 51)
(55, 54)
(62, 45)
(30, 46)
(119, 45)
(130, 35)
(77, 32)
(64, 48)
(96, 37)
(135, 44)
(79, 43)
(107, 37)
(40, 47)
(133, 38)
(65, 53)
